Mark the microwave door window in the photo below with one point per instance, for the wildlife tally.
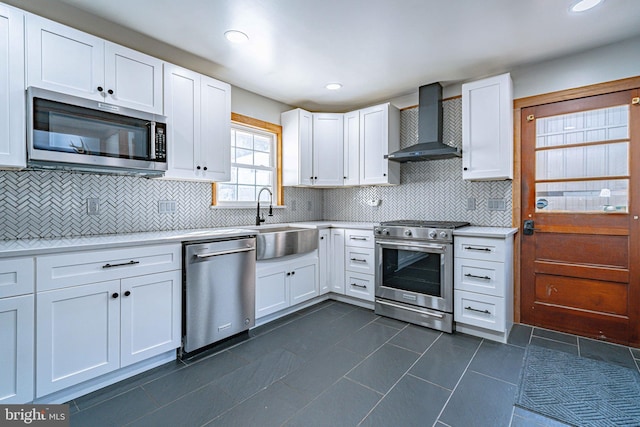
(64, 128)
(412, 271)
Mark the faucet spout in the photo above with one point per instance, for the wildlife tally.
(259, 219)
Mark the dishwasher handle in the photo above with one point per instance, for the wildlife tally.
(229, 252)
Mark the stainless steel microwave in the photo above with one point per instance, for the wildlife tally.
(70, 133)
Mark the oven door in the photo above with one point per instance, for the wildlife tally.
(419, 274)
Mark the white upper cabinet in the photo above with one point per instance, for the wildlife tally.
(487, 129)
(351, 161)
(198, 110)
(379, 135)
(327, 149)
(312, 148)
(67, 60)
(297, 147)
(332, 150)
(12, 96)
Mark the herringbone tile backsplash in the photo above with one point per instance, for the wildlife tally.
(37, 204)
(432, 190)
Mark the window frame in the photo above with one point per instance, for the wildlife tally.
(260, 125)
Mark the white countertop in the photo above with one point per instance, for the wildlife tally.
(473, 231)
(31, 247)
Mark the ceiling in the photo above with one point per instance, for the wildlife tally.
(377, 49)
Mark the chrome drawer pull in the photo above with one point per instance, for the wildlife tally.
(359, 286)
(358, 238)
(477, 277)
(471, 248)
(121, 265)
(479, 311)
(358, 260)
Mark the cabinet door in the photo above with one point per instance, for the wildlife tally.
(328, 136)
(487, 129)
(78, 335)
(64, 59)
(133, 79)
(305, 141)
(215, 149)
(16, 358)
(337, 261)
(351, 162)
(12, 98)
(303, 282)
(324, 261)
(182, 108)
(272, 290)
(374, 131)
(150, 315)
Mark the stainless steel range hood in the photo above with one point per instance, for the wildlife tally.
(430, 145)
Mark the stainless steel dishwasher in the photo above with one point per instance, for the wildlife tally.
(219, 290)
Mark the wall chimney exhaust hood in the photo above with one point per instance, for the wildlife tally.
(430, 145)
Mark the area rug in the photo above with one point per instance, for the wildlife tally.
(578, 391)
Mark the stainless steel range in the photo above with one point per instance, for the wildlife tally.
(414, 271)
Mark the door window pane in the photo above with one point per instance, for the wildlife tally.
(605, 124)
(583, 196)
(583, 162)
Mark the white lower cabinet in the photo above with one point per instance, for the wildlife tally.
(324, 261)
(16, 357)
(337, 261)
(85, 330)
(359, 260)
(282, 283)
(359, 285)
(483, 286)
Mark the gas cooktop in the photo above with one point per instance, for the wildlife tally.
(425, 224)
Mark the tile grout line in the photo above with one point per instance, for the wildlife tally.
(401, 376)
(344, 376)
(457, 383)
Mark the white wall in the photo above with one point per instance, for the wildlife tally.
(611, 62)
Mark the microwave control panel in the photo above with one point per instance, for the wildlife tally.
(161, 143)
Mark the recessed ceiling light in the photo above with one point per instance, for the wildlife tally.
(333, 86)
(235, 36)
(583, 5)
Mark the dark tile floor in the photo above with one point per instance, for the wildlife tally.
(334, 364)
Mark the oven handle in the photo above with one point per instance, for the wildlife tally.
(433, 248)
(415, 310)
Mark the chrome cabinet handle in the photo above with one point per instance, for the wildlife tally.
(358, 260)
(121, 265)
(358, 238)
(359, 286)
(477, 277)
(478, 311)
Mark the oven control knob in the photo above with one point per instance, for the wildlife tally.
(443, 234)
(385, 232)
(378, 231)
(433, 234)
(407, 233)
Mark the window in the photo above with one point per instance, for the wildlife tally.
(255, 164)
(582, 161)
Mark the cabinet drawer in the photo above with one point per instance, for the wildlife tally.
(16, 277)
(485, 277)
(73, 268)
(359, 238)
(485, 311)
(359, 285)
(360, 260)
(480, 248)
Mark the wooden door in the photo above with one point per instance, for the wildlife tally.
(580, 189)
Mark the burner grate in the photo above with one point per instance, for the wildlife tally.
(426, 224)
